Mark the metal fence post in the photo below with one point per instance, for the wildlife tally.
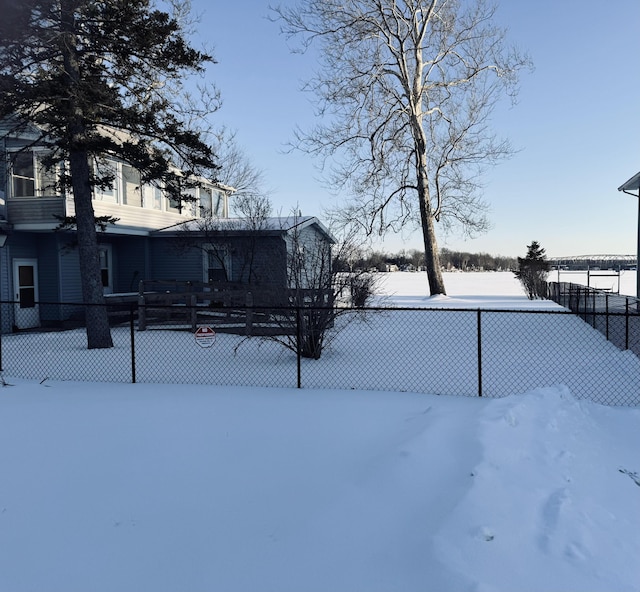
(572, 297)
(1, 331)
(626, 323)
(606, 314)
(132, 334)
(249, 314)
(479, 353)
(299, 343)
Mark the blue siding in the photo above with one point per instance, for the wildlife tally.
(6, 310)
(259, 260)
(69, 278)
(48, 266)
(22, 245)
(168, 262)
(130, 262)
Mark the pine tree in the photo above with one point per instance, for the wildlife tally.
(532, 271)
(104, 78)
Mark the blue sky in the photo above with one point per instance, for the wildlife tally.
(576, 125)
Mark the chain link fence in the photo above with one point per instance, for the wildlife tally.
(490, 353)
(616, 316)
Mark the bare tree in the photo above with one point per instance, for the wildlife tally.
(320, 291)
(405, 90)
(251, 196)
(251, 209)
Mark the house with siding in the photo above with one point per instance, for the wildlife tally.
(153, 237)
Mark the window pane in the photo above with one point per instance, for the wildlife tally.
(218, 264)
(218, 209)
(23, 175)
(104, 267)
(156, 202)
(132, 195)
(205, 202)
(189, 203)
(25, 275)
(174, 204)
(47, 177)
(23, 164)
(107, 169)
(27, 297)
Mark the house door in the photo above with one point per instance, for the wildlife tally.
(25, 282)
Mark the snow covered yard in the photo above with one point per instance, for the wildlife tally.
(431, 348)
(173, 488)
(197, 488)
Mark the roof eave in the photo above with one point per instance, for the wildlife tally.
(632, 184)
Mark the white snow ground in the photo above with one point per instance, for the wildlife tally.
(133, 487)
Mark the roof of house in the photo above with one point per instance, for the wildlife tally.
(241, 226)
(632, 184)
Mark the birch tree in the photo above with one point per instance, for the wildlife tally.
(404, 92)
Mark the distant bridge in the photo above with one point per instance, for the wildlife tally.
(595, 261)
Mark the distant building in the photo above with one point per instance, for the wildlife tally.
(631, 186)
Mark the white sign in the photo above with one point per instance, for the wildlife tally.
(205, 336)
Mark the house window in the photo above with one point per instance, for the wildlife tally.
(30, 177)
(131, 186)
(190, 203)
(110, 192)
(217, 264)
(174, 204)
(23, 175)
(106, 268)
(205, 202)
(219, 207)
(156, 197)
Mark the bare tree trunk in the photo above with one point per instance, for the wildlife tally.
(432, 258)
(431, 254)
(98, 332)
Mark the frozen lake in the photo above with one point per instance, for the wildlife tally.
(501, 283)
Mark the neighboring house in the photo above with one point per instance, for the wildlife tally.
(39, 266)
(265, 252)
(632, 187)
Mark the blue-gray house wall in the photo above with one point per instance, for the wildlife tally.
(6, 320)
(131, 261)
(59, 281)
(171, 262)
(260, 260)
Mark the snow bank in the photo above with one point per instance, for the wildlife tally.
(172, 488)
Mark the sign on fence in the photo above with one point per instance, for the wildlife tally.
(205, 336)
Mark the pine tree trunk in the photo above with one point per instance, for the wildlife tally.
(98, 331)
